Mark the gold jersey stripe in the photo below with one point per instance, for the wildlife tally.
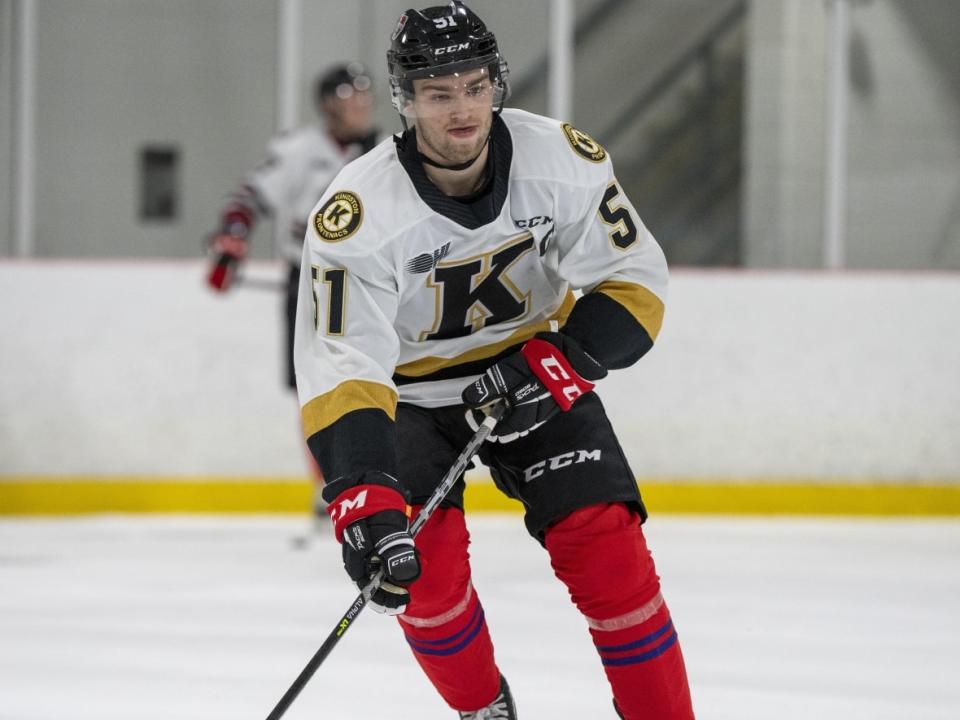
(350, 395)
(646, 308)
(428, 365)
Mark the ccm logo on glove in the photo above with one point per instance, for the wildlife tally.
(546, 376)
(555, 372)
(371, 518)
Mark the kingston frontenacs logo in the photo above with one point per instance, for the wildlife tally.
(340, 217)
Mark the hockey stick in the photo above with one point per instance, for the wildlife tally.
(486, 427)
(257, 283)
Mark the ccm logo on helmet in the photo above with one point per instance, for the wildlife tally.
(574, 457)
(451, 48)
(354, 503)
(551, 365)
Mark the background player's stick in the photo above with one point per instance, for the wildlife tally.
(493, 417)
(257, 283)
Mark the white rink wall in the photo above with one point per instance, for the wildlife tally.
(134, 368)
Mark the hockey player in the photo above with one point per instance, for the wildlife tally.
(438, 277)
(298, 168)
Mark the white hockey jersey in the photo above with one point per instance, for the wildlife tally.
(395, 298)
(299, 166)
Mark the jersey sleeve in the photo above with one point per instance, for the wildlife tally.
(605, 250)
(261, 193)
(345, 350)
(274, 180)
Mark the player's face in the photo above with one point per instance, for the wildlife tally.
(453, 114)
(349, 115)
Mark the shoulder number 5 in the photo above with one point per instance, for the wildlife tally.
(623, 231)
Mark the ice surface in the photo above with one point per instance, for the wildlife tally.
(201, 618)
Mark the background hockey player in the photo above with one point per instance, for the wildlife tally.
(299, 166)
(438, 277)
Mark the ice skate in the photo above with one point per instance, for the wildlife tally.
(502, 707)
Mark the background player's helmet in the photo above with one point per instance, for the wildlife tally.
(342, 81)
(443, 40)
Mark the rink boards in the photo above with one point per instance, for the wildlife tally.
(126, 386)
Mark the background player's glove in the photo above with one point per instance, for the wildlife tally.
(545, 376)
(228, 250)
(369, 513)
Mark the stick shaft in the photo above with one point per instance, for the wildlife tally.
(449, 480)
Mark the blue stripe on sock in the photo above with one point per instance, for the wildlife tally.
(638, 643)
(474, 631)
(452, 638)
(643, 657)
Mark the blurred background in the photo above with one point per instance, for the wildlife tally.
(715, 111)
(799, 161)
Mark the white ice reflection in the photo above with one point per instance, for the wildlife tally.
(199, 618)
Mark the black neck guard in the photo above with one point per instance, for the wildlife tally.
(459, 166)
(477, 209)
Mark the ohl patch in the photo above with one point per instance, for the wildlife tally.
(584, 145)
(339, 218)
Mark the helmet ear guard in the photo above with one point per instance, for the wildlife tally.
(439, 41)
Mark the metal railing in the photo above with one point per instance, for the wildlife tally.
(584, 28)
(679, 144)
(683, 168)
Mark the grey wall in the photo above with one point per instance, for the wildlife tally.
(786, 70)
(904, 134)
(6, 127)
(904, 205)
(114, 75)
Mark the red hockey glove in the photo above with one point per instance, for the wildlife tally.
(546, 376)
(369, 514)
(229, 251)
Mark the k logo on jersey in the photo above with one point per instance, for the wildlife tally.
(476, 292)
(339, 218)
(584, 145)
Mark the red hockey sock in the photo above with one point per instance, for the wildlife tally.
(444, 621)
(600, 554)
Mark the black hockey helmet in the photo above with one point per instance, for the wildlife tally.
(443, 40)
(342, 80)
